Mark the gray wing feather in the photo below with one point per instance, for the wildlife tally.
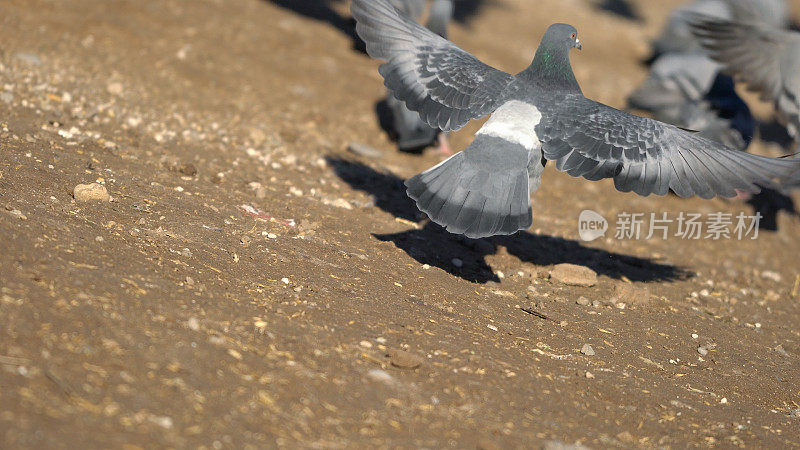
(447, 86)
(592, 140)
(411, 7)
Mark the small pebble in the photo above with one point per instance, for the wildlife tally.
(626, 437)
(380, 375)
(491, 327)
(365, 344)
(559, 445)
(587, 350)
(193, 323)
(285, 280)
(404, 360)
(702, 350)
(630, 294)
(31, 59)
(589, 375)
(583, 301)
(695, 336)
(772, 276)
(724, 401)
(91, 192)
(364, 150)
(795, 413)
(114, 88)
(342, 203)
(163, 421)
(18, 214)
(188, 169)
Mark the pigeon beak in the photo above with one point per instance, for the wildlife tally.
(578, 44)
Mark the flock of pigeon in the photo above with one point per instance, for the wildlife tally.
(541, 115)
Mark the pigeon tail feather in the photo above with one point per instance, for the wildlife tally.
(467, 196)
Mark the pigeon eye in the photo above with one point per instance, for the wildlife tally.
(573, 35)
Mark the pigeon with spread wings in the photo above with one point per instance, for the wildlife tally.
(538, 115)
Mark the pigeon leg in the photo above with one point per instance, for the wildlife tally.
(444, 145)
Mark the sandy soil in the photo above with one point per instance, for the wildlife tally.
(250, 277)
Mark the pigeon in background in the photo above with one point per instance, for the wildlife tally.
(538, 115)
(764, 56)
(687, 90)
(678, 37)
(685, 87)
(412, 133)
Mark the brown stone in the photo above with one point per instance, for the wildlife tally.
(404, 360)
(573, 275)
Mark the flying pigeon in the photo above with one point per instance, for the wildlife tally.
(412, 132)
(687, 90)
(765, 57)
(538, 115)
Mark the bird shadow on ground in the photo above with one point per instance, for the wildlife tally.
(436, 247)
(622, 8)
(387, 190)
(322, 11)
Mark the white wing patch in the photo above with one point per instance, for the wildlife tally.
(515, 122)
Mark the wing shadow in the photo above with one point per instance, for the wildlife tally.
(436, 247)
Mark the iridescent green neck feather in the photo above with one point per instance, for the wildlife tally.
(551, 67)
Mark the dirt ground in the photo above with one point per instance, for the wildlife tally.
(250, 276)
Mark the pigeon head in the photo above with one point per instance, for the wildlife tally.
(561, 35)
(550, 66)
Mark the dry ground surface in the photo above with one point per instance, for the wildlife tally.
(250, 276)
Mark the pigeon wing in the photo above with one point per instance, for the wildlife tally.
(595, 141)
(447, 86)
(768, 12)
(751, 51)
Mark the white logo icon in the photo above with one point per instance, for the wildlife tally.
(591, 225)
